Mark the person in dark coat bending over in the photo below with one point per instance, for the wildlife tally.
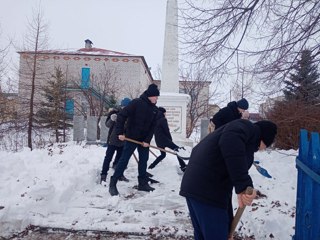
(219, 163)
(139, 120)
(163, 139)
(234, 110)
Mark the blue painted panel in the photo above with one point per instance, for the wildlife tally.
(85, 78)
(308, 188)
(314, 158)
(70, 106)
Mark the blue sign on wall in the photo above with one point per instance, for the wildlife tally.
(70, 106)
(85, 78)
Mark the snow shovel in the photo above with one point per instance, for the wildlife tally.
(238, 214)
(261, 170)
(161, 149)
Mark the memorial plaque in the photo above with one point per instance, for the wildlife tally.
(174, 117)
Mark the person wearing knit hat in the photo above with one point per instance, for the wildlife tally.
(113, 143)
(152, 90)
(163, 139)
(137, 122)
(125, 102)
(219, 164)
(243, 104)
(234, 110)
(268, 131)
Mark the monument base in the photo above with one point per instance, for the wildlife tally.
(176, 106)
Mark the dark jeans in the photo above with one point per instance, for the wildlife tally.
(127, 151)
(108, 157)
(209, 222)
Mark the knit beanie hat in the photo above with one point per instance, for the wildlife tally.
(243, 104)
(162, 109)
(268, 131)
(152, 90)
(125, 102)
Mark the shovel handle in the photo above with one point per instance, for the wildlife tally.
(140, 143)
(238, 214)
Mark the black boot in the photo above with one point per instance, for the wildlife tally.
(113, 187)
(143, 185)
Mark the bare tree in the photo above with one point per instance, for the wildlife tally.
(242, 88)
(5, 109)
(102, 94)
(291, 117)
(3, 62)
(268, 34)
(36, 39)
(195, 82)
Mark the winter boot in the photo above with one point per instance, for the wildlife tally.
(113, 186)
(103, 178)
(143, 185)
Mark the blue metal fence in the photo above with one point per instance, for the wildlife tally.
(308, 188)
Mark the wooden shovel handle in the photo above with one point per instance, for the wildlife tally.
(238, 214)
(140, 143)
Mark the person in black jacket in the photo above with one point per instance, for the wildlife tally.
(234, 110)
(140, 119)
(163, 139)
(114, 144)
(219, 163)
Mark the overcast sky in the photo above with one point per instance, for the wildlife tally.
(129, 26)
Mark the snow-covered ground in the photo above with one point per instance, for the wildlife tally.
(58, 186)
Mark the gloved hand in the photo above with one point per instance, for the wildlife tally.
(113, 117)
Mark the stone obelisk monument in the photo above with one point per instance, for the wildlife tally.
(170, 98)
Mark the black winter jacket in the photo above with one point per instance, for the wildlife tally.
(113, 137)
(220, 162)
(226, 114)
(140, 119)
(162, 133)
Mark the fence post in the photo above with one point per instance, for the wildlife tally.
(308, 188)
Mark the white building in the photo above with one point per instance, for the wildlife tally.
(128, 74)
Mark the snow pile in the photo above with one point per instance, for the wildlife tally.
(58, 186)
